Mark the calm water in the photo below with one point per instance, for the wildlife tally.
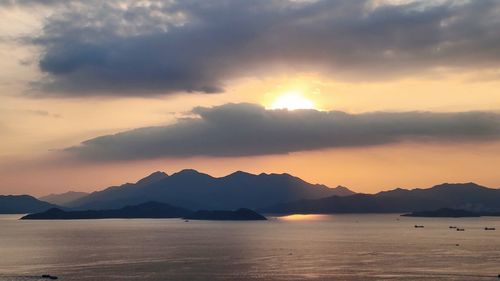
(343, 247)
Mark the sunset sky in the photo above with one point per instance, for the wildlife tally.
(368, 94)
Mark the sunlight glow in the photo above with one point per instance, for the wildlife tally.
(303, 217)
(292, 100)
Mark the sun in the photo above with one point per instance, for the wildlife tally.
(292, 100)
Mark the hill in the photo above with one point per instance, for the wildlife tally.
(22, 204)
(153, 210)
(240, 214)
(145, 210)
(63, 199)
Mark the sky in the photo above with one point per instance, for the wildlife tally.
(368, 94)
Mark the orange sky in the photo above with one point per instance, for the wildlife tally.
(31, 128)
(363, 169)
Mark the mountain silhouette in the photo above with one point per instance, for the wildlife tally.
(241, 214)
(151, 209)
(467, 196)
(63, 199)
(194, 190)
(266, 193)
(22, 204)
(144, 210)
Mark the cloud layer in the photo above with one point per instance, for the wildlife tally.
(233, 130)
(158, 47)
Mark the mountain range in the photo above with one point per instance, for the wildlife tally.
(467, 196)
(194, 190)
(266, 193)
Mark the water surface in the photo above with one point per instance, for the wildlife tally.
(318, 247)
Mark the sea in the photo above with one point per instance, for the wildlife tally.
(296, 247)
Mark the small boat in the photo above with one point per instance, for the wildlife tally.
(453, 227)
(48, 276)
(460, 229)
(186, 220)
(419, 226)
(489, 228)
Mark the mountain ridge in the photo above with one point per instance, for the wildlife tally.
(195, 190)
(468, 196)
(62, 199)
(22, 204)
(267, 193)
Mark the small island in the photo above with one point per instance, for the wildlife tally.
(450, 213)
(148, 210)
(240, 214)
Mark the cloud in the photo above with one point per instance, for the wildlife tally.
(233, 130)
(8, 3)
(160, 47)
(44, 113)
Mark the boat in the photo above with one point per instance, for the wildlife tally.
(489, 228)
(419, 226)
(453, 227)
(460, 229)
(48, 276)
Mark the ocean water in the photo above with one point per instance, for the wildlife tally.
(317, 247)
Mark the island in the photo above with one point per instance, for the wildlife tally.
(151, 210)
(240, 214)
(450, 213)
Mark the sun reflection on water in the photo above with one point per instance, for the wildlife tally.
(302, 217)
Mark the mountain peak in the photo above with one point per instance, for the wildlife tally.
(468, 185)
(188, 171)
(240, 173)
(154, 177)
(280, 175)
(343, 191)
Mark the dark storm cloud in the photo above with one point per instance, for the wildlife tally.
(155, 47)
(248, 129)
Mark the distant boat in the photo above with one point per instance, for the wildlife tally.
(454, 227)
(48, 276)
(489, 228)
(419, 226)
(460, 229)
